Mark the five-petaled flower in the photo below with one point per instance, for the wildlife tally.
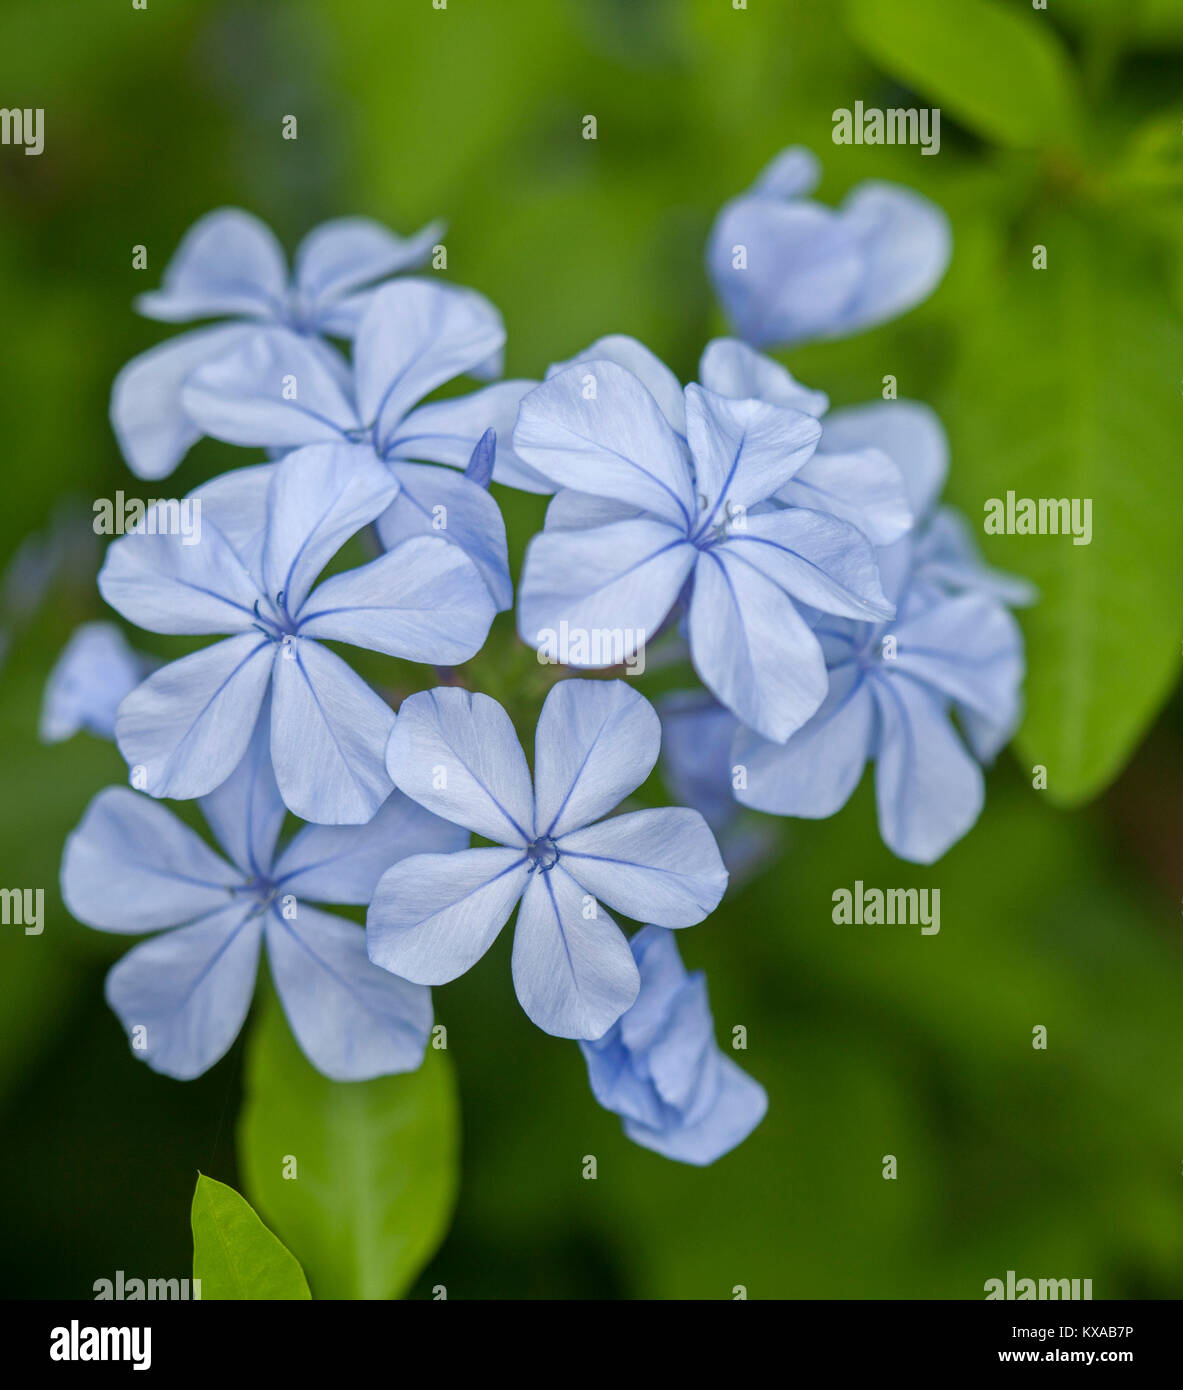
(953, 650)
(434, 916)
(284, 392)
(852, 473)
(267, 532)
(654, 516)
(230, 266)
(131, 866)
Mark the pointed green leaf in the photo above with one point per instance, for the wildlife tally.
(1070, 387)
(359, 1177)
(234, 1255)
(1003, 74)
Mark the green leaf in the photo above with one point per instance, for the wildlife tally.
(359, 1177)
(1002, 74)
(1070, 388)
(234, 1255)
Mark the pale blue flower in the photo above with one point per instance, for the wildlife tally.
(953, 652)
(661, 1070)
(93, 673)
(872, 462)
(434, 916)
(672, 502)
(417, 335)
(697, 734)
(852, 473)
(788, 270)
(131, 867)
(947, 559)
(266, 534)
(230, 266)
(62, 555)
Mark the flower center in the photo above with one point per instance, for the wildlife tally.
(262, 889)
(878, 648)
(274, 620)
(543, 854)
(722, 521)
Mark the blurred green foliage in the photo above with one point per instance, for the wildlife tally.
(870, 1041)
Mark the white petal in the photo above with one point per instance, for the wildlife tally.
(909, 433)
(435, 915)
(817, 558)
(328, 736)
(646, 366)
(573, 971)
(319, 498)
(743, 451)
(186, 728)
(456, 752)
(609, 588)
(132, 866)
(154, 430)
(596, 741)
(815, 772)
(343, 863)
(162, 584)
(928, 788)
(595, 427)
(751, 647)
(277, 390)
(423, 601)
(228, 262)
(660, 866)
(729, 367)
(343, 255)
(189, 990)
(352, 1020)
(416, 335)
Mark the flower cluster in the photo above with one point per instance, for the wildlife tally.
(795, 558)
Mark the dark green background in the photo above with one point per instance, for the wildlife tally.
(871, 1041)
